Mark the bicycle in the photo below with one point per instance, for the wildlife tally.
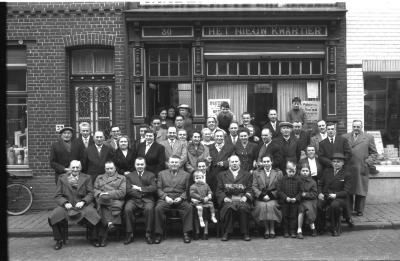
(19, 196)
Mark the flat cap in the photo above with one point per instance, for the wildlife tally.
(285, 123)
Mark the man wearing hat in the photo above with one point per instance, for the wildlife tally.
(74, 197)
(63, 151)
(333, 192)
(185, 112)
(290, 148)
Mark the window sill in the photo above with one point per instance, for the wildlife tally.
(20, 170)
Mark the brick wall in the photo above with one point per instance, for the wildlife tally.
(47, 30)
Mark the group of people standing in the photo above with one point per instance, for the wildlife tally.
(276, 174)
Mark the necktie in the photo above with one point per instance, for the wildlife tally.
(172, 145)
(86, 142)
(331, 140)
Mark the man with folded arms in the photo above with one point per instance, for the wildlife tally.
(173, 190)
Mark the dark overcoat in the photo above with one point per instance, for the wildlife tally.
(123, 163)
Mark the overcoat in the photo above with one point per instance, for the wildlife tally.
(226, 151)
(94, 162)
(363, 156)
(272, 149)
(115, 186)
(123, 163)
(231, 187)
(246, 155)
(194, 155)
(66, 193)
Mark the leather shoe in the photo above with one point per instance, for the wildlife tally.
(58, 245)
(293, 235)
(95, 243)
(335, 233)
(300, 235)
(157, 239)
(149, 240)
(128, 238)
(103, 242)
(186, 238)
(225, 237)
(286, 235)
(196, 236)
(313, 232)
(266, 235)
(272, 235)
(205, 236)
(350, 222)
(246, 237)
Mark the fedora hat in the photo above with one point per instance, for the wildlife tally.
(338, 155)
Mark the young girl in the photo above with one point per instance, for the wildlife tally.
(289, 191)
(308, 204)
(201, 197)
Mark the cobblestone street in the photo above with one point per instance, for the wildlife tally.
(357, 245)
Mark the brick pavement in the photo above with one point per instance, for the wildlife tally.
(35, 223)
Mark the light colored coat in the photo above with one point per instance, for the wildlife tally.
(179, 149)
(363, 155)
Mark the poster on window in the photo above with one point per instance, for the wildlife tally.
(313, 110)
(213, 106)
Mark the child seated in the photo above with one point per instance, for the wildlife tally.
(289, 191)
(308, 204)
(201, 195)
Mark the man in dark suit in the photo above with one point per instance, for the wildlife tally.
(85, 139)
(64, 151)
(220, 153)
(332, 144)
(140, 191)
(303, 138)
(152, 152)
(115, 133)
(173, 191)
(142, 132)
(234, 195)
(246, 122)
(268, 147)
(232, 137)
(273, 124)
(290, 147)
(333, 191)
(97, 155)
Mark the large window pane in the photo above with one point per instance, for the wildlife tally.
(285, 68)
(16, 80)
(243, 68)
(275, 68)
(264, 68)
(222, 70)
(92, 61)
(232, 68)
(253, 68)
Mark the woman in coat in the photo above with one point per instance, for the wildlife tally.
(266, 210)
(246, 150)
(196, 151)
(74, 197)
(124, 157)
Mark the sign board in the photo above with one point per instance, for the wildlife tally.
(59, 127)
(313, 110)
(167, 31)
(277, 30)
(263, 88)
(378, 140)
(213, 106)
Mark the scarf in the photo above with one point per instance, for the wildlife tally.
(191, 148)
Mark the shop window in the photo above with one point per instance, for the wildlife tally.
(92, 83)
(382, 111)
(169, 62)
(17, 129)
(331, 98)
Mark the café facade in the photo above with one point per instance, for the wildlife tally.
(118, 63)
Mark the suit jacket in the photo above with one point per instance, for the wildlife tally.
(290, 150)
(304, 140)
(94, 162)
(274, 150)
(66, 193)
(147, 183)
(319, 166)
(363, 156)
(261, 188)
(173, 186)
(155, 157)
(229, 186)
(246, 155)
(326, 150)
(228, 139)
(179, 150)
(123, 163)
(226, 151)
(275, 133)
(60, 157)
(315, 140)
(339, 184)
(79, 141)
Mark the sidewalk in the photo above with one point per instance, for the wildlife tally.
(34, 223)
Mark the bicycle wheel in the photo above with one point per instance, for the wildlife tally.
(19, 199)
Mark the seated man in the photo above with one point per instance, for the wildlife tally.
(234, 196)
(74, 197)
(109, 192)
(140, 191)
(333, 190)
(173, 190)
